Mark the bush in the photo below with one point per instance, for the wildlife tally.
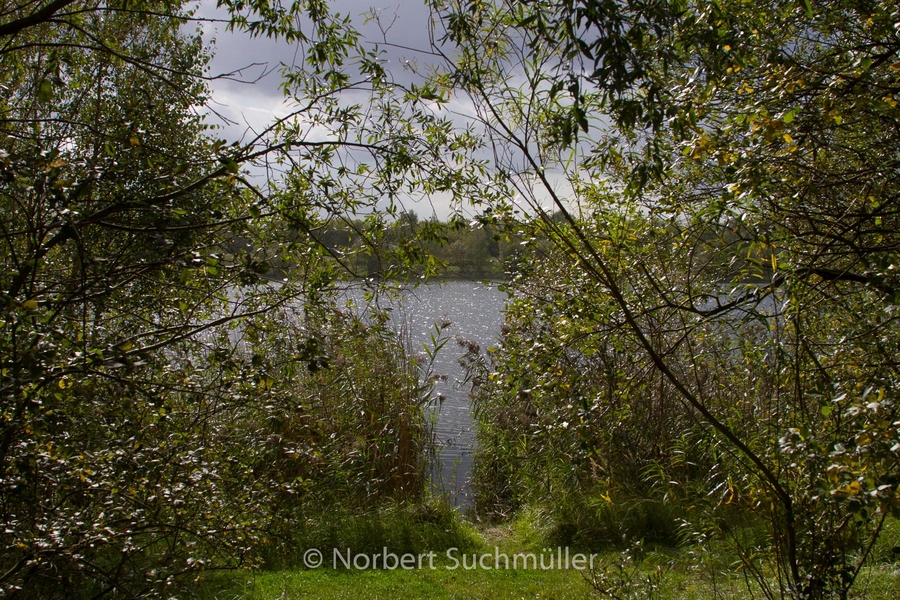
(400, 527)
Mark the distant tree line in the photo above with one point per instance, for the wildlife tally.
(470, 249)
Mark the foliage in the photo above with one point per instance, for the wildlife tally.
(150, 372)
(704, 199)
(343, 429)
(448, 249)
(640, 572)
(721, 263)
(432, 525)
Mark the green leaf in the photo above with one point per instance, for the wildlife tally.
(230, 164)
(45, 91)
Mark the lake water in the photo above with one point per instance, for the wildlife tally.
(474, 311)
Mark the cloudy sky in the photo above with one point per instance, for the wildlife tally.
(250, 98)
(255, 102)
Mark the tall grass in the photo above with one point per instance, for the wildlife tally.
(349, 442)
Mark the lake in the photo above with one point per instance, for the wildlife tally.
(474, 311)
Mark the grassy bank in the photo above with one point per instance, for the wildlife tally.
(707, 571)
(439, 583)
(877, 585)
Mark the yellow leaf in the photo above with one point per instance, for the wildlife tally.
(787, 138)
(853, 488)
(134, 141)
(29, 305)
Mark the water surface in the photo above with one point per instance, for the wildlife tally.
(473, 311)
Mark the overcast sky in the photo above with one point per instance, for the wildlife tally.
(249, 105)
(257, 101)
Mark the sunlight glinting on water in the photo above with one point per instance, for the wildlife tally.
(474, 312)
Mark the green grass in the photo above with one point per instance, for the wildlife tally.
(689, 572)
(877, 583)
(425, 583)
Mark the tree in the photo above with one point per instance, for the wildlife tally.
(757, 138)
(148, 367)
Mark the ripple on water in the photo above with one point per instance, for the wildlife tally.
(474, 312)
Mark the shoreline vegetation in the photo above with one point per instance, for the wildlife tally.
(695, 207)
(454, 250)
(640, 571)
(485, 249)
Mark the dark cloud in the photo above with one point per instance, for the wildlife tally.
(246, 91)
(399, 29)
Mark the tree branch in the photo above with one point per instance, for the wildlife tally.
(36, 18)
